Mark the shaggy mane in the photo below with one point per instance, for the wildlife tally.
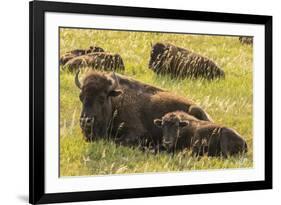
(96, 81)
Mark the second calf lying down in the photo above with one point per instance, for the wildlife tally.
(181, 130)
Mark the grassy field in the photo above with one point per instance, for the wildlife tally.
(228, 101)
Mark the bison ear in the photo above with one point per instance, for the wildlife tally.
(158, 123)
(183, 123)
(115, 93)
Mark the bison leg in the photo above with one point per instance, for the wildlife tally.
(130, 139)
(196, 146)
(224, 146)
(199, 113)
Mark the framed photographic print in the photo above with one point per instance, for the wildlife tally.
(139, 102)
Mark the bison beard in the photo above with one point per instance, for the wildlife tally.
(128, 116)
(179, 62)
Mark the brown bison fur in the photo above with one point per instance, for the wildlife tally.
(132, 84)
(180, 62)
(123, 109)
(66, 57)
(97, 60)
(79, 52)
(181, 130)
(246, 40)
(92, 49)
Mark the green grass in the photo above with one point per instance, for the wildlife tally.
(228, 101)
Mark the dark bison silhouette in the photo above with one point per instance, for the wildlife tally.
(246, 40)
(123, 109)
(181, 130)
(78, 52)
(180, 62)
(97, 60)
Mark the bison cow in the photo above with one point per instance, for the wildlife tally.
(79, 52)
(180, 62)
(246, 40)
(123, 109)
(181, 130)
(97, 60)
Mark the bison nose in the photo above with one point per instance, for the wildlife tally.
(86, 121)
(166, 142)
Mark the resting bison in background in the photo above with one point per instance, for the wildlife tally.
(122, 109)
(78, 52)
(246, 40)
(97, 60)
(180, 62)
(181, 130)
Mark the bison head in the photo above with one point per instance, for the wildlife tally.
(156, 50)
(170, 125)
(97, 91)
(93, 49)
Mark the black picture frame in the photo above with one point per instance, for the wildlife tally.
(37, 10)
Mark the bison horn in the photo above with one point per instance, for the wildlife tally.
(116, 79)
(77, 83)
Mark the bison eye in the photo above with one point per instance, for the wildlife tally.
(171, 124)
(168, 124)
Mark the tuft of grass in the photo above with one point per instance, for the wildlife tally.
(228, 101)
